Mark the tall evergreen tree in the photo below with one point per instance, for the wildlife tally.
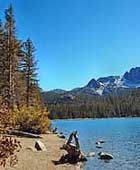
(1, 58)
(19, 84)
(11, 55)
(29, 68)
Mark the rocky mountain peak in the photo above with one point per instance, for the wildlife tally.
(108, 80)
(133, 75)
(93, 84)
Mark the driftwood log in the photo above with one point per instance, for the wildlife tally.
(23, 134)
(74, 154)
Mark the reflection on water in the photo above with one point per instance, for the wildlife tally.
(122, 138)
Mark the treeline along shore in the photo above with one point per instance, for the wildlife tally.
(65, 106)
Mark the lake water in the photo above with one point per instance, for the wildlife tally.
(122, 136)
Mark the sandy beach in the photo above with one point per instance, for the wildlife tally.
(30, 159)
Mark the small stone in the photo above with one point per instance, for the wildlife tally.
(102, 141)
(98, 143)
(83, 158)
(61, 133)
(61, 136)
(98, 146)
(40, 146)
(63, 146)
(48, 132)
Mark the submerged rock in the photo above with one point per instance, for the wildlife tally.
(91, 154)
(98, 146)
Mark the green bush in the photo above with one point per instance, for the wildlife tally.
(31, 119)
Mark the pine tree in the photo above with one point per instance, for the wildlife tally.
(11, 58)
(1, 58)
(29, 69)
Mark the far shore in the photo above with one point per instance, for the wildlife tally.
(97, 118)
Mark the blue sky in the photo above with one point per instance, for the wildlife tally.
(77, 40)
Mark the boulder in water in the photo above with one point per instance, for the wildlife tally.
(105, 156)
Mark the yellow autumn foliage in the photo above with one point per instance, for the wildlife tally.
(31, 119)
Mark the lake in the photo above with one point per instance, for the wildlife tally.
(122, 136)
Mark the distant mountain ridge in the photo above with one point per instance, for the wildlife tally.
(107, 85)
(112, 96)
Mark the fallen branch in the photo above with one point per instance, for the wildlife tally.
(23, 134)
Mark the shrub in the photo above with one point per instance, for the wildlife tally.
(31, 119)
(8, 145)
(8, 149)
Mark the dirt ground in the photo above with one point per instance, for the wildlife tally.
(30, 159)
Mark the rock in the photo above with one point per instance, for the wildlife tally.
(102, 141)
(105, 156)
(98, 143)
(83, 158)
(63, 146)
(61, 136)
(91, 154)
(54, 130)
(98, 146)
(48, 132)
(40, 146)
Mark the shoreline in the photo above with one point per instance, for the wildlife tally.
(96, 118)
(30, 159)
